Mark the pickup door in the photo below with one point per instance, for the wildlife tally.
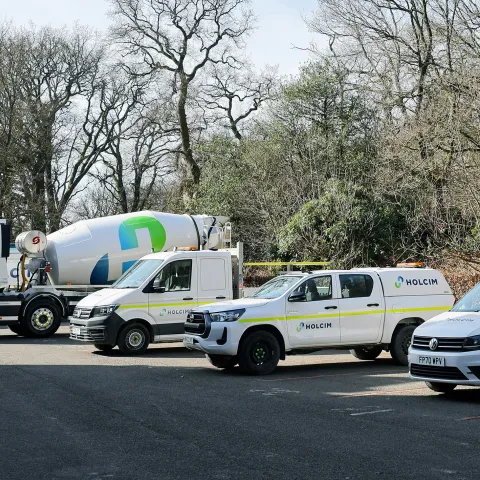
(314, 321)
(362, 308)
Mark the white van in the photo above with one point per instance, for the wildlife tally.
(364, 310)
(445, 351)
(150, 302)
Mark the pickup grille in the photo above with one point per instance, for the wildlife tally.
(444, 344)
(442, 373)
(195, 324)
(87, 334)
(82, 313)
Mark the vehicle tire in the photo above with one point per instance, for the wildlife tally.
(104, 348)
(441, 387)
(367, 353)
(17, 329)
(259, 353)
(400, 344)
(42, 318)
(133, 339)
(222, 361)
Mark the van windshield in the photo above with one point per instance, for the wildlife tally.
(137, 274)
(276, 287)
(470, 302)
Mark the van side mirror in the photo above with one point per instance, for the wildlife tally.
(297, 297)
(158, 286)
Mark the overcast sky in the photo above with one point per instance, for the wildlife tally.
(280, 24)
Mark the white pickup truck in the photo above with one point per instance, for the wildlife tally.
(445, 351)
(364, 310)
(149, 303)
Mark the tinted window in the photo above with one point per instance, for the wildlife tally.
(176, 276)
(356, 285)
(315, 289)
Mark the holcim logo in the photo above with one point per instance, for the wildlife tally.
(313, 326)
(416, 282)
(163, 312)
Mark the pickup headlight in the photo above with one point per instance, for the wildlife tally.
(230, 316)
(472, 343)
(104, 311)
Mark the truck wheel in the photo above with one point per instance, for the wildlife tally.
(400, 344)
(133, 339)
(441, 387)
(259, 353)
(367, 353)
(17, 329)
(104, 348)
(222, 361)
(41, 319)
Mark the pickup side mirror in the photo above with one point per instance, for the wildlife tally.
(297, 297)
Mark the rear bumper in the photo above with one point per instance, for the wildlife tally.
(461, 368)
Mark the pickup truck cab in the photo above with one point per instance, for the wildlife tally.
(149, 302)
(363, 310)
(445, 351)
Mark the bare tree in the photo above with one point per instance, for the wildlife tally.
(180, 38)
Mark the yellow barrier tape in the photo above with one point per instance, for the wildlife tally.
(276, 264)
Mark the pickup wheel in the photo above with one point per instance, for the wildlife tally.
(104, 348)
(400, 344)
(259, 353)
(367, 353)
(222, 361)
(441, 387)
(133, 339)
(41, 318)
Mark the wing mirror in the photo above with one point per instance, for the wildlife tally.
(297, 297)
(158, 286)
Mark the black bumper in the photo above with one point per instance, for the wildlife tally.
(101, 331)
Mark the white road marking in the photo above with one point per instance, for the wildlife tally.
(374, 411)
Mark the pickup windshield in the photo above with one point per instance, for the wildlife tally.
(276, 287)
(470, 302)
(137, 274)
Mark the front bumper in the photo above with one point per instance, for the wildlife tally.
(218, 338)
(461, 368)
(99, 330)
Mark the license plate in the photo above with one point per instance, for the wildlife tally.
(188, 340)
(76, 330)
(433, 361)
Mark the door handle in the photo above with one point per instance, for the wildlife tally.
(188, 298)
(331, 307)
(373, 305)
(220, 297)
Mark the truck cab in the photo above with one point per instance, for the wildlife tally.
(363, 310)
(149, 303)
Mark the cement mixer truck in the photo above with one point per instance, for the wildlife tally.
(57, 270)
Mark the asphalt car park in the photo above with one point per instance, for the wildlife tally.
(68, 411)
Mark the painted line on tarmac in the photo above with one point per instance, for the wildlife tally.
(324, 376)
(369, 413)
(382, 392)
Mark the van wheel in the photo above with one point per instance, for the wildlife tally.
(441, 387)
(133, 339)
(222, 361)
(17, 329)
(401, 343)
(104, 348)
(367, 353)
(41, 319)
(259, 353)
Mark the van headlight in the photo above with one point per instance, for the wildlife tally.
(472, 343)
(104, 310)
(230, 316)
